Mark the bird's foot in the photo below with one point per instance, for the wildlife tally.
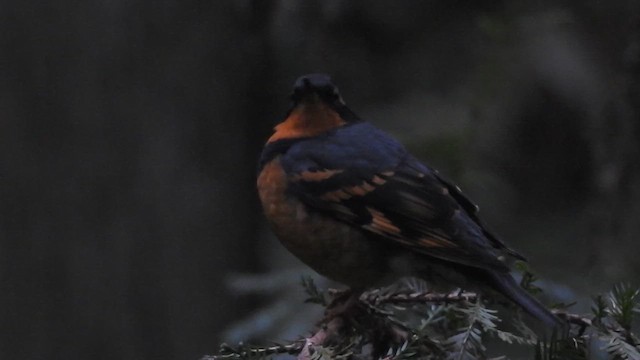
(343, 303)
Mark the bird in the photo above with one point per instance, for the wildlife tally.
(355, 205)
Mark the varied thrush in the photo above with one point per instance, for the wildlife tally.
(352, 203)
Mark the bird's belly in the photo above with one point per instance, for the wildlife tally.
(332, 248)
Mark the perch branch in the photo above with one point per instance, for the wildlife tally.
(575, 319)
(229, 353)
(333, 326)
(418, 297)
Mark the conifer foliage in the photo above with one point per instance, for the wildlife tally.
(407, 321)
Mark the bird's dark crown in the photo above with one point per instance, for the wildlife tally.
(316, 84)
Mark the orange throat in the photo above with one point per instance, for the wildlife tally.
(308, 119)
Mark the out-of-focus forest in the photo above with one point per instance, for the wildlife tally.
(130, 130)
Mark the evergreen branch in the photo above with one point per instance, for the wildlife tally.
(382, 324)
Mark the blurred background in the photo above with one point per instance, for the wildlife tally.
(130, 130)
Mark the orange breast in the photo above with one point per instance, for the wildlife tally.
(307, 119)
(332, 248)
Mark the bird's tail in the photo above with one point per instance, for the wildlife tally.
(505, 284)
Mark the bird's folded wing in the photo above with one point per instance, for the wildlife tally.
(401, 201)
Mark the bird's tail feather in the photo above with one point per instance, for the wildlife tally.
(506, 285)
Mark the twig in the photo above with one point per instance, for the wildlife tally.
(227, 352)
(418, 297)
(575, 319)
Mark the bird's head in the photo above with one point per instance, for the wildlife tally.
(317, 108)
(312, 88)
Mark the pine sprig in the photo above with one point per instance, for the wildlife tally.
(467, 343)
(528, 278)
(624, 301)
(614, 317)
(315, 295)
(422, 344)
(562, 348)
(618, 347)
(599, 309)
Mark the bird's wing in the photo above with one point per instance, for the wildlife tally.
(363, 177)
